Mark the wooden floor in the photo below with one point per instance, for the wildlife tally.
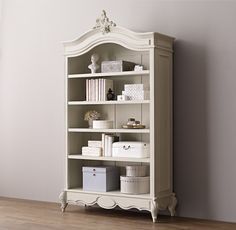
(18, 214)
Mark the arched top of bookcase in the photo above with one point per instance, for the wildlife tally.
(117, 35)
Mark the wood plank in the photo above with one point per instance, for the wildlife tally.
(107, 102)
(124, 73)
(16, 214)
(87, 130)
(125, 159)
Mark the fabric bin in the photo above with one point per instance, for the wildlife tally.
(133, 149)
(134, 185)
(136, 170)
(100, 179)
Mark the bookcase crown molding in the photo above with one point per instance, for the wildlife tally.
(106, 31)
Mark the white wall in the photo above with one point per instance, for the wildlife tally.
(32, 95)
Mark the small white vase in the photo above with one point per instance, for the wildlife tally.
(90, 124)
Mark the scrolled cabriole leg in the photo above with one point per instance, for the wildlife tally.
(172, 205)
(154, 211)
(63, 200)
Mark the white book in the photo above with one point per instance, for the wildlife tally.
(87, 89)
(97, 144)
(96, 89)
(99, 89)
(103, 144)
(109, 145)
(102, 89)
(106, 146)
(89, 82)
(108, 84)
(91, 90)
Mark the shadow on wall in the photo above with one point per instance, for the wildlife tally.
(190, 129)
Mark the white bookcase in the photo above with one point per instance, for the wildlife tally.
(155, 52)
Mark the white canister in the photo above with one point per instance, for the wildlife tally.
(134, 185)
(136, 170)
(102, 124)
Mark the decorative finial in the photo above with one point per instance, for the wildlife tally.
(104, 23)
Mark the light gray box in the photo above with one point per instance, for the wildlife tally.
(116, 66)
(100, 179)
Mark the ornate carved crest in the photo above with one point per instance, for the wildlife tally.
(104, 23)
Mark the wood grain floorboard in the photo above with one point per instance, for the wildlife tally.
(16, 214)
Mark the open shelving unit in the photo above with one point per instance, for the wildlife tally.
(154, 52)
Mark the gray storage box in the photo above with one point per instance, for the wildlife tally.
(116, 66)
(100, 179)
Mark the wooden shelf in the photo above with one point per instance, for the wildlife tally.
(125, 73)
(111, 193)
(87, 130)
(80, 157)
(107, 102)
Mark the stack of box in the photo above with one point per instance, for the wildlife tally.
(94, 149)
(135, 92)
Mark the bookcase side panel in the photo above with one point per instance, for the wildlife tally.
(163, 122)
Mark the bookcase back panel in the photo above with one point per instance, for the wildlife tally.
(119, 82)
(74, 174)
(119, 114)
(106, 52)
(135, 137)
(77, 89)
(77, 140)
(138, 111)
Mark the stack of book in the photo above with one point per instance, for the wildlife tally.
(97, 89)
(94, 149)
(107, 141)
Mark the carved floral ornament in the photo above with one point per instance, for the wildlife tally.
(103, 23)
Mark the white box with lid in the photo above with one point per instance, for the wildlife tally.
(100, 179)
(133, 149)
(102, 124)
(135, 185)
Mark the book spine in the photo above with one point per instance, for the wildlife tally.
(89, 85)
(91, 90)
(96, 90)
(109, 145)
(102, 89)
(99, 89)
(106, 145)
(86, 97)
(103, 144)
